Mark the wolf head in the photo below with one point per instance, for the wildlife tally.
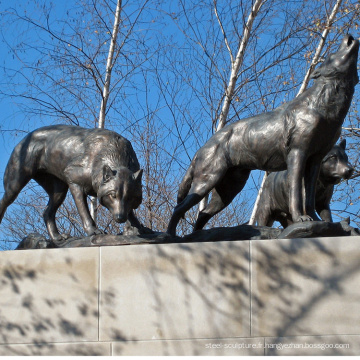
(341, 64)
(120, 191)
(335, 165)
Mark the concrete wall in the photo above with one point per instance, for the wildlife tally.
(259, 297)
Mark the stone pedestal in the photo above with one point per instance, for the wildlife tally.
(253, 297)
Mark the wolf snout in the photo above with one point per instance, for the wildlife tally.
(349, 40)
(120, 218)
(348, 47)
(344, 173)
(348, 172)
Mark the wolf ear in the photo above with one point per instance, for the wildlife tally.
(137, 176)
(343, 144)
(107, 173)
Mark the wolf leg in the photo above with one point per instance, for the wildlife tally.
(206, 173)
(57, 190)
(180, 210)
(311, 176)
(133, 223)
(296, 171)
(199, 189)
(223, 194)
(83, 209)
(263, 217)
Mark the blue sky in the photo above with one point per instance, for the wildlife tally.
(183, 105)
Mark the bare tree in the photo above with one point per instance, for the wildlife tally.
(237, 61)
(236, 64)
(329, 24)
(106, 90)
(109, 65)
(181, 70)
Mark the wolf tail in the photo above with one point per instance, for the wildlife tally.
(2, 210)
(186, 182)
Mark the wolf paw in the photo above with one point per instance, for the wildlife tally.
(60, 239)
(303, 218)
(313, 216)
(132, 230)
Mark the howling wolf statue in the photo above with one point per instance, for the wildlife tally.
(296, 136)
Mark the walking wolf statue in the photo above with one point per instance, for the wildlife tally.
(94, 162)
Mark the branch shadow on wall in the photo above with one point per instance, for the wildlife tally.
(306, 287)
(183, 292)
(298, 287)
(43, 306)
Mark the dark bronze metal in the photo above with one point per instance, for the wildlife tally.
(307, 229)
(295, 136)
(274, 200)
(94, 162)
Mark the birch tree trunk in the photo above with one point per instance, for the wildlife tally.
(314, 62)
(109, 65)
(106, 89)
(236, 64)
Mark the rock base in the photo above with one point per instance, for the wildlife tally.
(308, 229)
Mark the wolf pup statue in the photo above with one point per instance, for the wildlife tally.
(274, 199)
(296, 136)
(94, 162)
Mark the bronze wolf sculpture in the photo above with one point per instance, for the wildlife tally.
(274, 200)
(295, 136)
(94, 162)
